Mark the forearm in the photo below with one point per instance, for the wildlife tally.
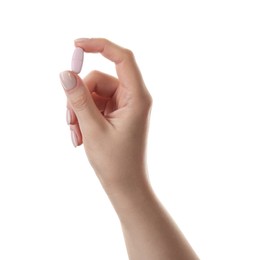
(149, 231)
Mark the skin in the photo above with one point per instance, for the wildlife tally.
(110, 117)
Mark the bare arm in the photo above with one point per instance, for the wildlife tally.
(149, 231)
(110, 116)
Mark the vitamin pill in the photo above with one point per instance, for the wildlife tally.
(77, 60)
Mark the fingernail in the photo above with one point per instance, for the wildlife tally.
(81, 39)
(68, 117)
(68, 80)
(74, 138)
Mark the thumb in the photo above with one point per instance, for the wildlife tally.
(89, 118)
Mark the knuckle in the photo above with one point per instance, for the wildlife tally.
(79, 102)
(149, 101)
(93, 73)
(104, 40)
(128, 53)
(144, 106)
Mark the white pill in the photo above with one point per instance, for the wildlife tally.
(77, 60)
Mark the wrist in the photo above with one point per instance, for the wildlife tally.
(129, 195)
(122, 179)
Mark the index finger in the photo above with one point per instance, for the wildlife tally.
(127, 70)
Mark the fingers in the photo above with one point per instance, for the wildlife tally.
(76, 135)
(90, 120)
(126, 67)
(101, 86)
(75, 131)
(104, 85)
(70, 115)
(91, 100)
(108, 49)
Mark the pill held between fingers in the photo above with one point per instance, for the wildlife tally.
(77, 60)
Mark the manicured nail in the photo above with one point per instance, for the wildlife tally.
(77, 60)
(81, 39)
(68, 117)
(68, 80)
(74, 138)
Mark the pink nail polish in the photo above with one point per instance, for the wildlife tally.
(77, 60)
(68, 117)
(68, 80)
(74, 138)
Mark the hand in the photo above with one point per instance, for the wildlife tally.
(110, 115)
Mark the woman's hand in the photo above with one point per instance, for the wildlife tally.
(110, 115)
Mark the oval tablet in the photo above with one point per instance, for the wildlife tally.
(77, 60)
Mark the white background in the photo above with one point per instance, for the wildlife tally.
(197, 61)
